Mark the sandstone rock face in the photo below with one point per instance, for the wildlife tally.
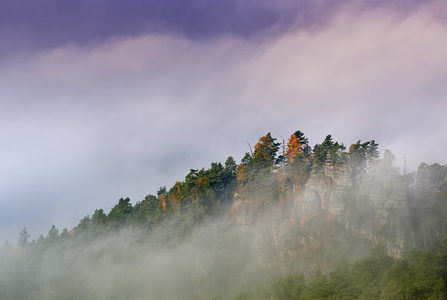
(374, 208)
(331, 218)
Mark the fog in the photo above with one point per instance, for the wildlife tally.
(269, 226)
(216, 259)
(99, 109)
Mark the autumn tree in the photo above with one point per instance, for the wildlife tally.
(265, 151)
(175, 196)
(202, 192)
(299, 166)
(243, 168)
(294, 148)
(162, 200)
(304, 143)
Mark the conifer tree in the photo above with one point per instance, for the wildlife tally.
(24, 236)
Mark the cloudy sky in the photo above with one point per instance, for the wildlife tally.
(107, 99)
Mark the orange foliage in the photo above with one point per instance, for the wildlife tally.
(176, 198)
(241, 172)
(162, 202)
(263, 147)
(294, 147)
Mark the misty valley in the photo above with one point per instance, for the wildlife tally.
(289, 221)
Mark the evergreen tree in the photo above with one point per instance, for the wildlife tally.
(53, 235)
(23, 240)
(120, 212)
(304, 143)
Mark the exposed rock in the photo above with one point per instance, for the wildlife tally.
(376, 208)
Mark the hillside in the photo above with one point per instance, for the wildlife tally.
(286, 208)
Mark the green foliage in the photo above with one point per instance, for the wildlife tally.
(362, 156)
(337, 153)
(304, 143)
(377, 276)
(430, 205)
(53, 234)
(275, 247)
(265, 151)
(120, 212)
(144, 211)
(318, 287)
(328, 150)
(23, 240)
(99, 218)
(299, 170)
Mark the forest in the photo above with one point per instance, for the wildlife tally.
(289, 221)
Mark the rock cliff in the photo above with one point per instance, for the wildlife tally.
(374, 208)
(339, 214)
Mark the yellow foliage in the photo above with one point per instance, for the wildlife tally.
(202, 182)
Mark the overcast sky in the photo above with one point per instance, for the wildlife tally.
(107, 99)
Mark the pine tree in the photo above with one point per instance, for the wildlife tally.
(23, 240)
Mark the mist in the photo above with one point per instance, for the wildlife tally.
(94, 110)
(215, 259)
(238, 229)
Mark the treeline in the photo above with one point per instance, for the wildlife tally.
(261, 189)
(269, 175)
(420, 275)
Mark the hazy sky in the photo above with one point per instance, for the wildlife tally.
(107, 99)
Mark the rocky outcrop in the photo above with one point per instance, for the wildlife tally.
(374, 208)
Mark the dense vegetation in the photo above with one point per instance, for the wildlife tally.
(231, 232)
(420, 275)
